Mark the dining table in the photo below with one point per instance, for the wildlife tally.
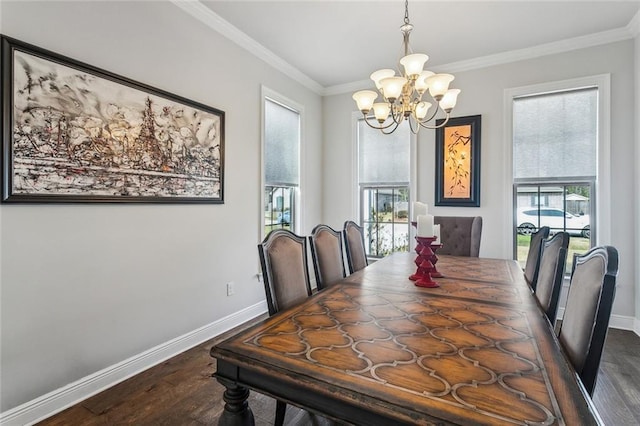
(375, 349)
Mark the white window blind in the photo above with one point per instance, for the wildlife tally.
(555, 135)
(282, 145)
(383, 159)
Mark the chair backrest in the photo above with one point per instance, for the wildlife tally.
(460, 235)
(283, 258)
(532, 265)
(354, 244)
(586, 317)
(326, 252)
(552, 264)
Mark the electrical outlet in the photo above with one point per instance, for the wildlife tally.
(231, 288)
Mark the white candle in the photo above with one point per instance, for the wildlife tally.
(425, 225)
(418, 209)
(436, 232)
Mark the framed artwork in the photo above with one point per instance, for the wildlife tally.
(74, 133)
(458, 162)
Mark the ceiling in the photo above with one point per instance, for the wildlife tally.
(340, 42)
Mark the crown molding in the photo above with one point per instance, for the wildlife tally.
(339, 89)
(634, 25)
(591, 40)
(214, 21)
(226, 29)
(561, 46)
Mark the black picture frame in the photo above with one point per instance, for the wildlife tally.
(458, 162)
(74, 133)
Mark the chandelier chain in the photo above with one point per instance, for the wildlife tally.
(406, 11)
(402, 95)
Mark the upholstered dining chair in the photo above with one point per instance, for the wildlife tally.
(354, 245)
(460, 235)
(531, 267)
(584, 326)
(552, 263)
(283, 258)
(326, 252)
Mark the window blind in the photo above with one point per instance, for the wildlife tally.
(555, 135)
(383, 159)
(282, 151)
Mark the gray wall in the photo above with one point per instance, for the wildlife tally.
(87, 286)
(483, 93)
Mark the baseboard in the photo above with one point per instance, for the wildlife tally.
(53, 402)
(636, 326)
(624, 323)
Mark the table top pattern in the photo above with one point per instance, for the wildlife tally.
(476, 350)
(401, 265)
(444, 357)
(489, 280)
(482, 291)
(496, 271)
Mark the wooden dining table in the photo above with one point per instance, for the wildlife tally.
(374, 349)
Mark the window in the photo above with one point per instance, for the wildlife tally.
(384, 170)
(555, 166)
(281, 165)
(570, 217)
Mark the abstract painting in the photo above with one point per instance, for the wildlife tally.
(76, 133)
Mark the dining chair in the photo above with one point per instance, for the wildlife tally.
(584, 326)
(532, 265)
(283, 258)
(326, 253)
(354, 245)
(460, 235)
(551, 274)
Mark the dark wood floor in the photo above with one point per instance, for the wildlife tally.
(181, 391)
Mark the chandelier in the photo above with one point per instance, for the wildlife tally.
(403, 94)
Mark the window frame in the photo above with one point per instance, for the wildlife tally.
(292, 202)
(593, 230)
(297, 215)
(358, 189)
(601, 209)
(364, 222)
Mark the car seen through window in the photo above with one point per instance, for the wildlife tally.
(531, 219)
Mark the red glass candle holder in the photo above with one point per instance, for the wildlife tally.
(434, 259)
(424, 263)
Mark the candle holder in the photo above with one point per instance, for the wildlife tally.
(424, 262)
(434, 259)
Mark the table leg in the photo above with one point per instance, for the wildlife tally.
(236, 408)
